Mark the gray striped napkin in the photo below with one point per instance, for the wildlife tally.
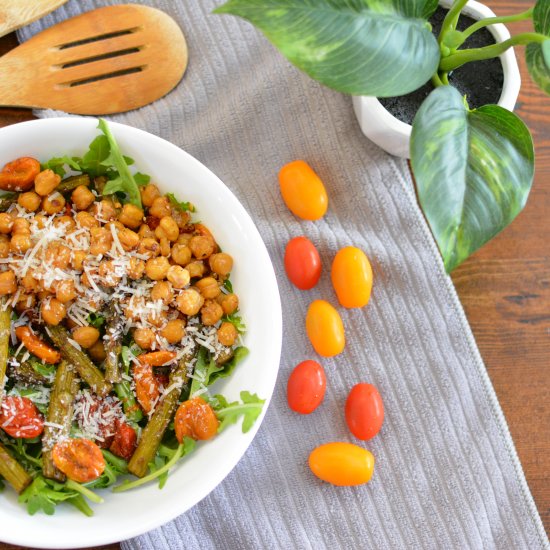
(447, 474)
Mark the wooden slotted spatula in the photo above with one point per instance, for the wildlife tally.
(108, 60)
(14, 14)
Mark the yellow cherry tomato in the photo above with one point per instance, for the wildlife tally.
(303, 191)
(325, 329)
(342, 464)
(352, 277)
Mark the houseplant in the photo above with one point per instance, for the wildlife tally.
(473, 167)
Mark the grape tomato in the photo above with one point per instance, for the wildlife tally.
(306, 387)
(351, 276)
(364, 411)
(325, 329)
(302, 263)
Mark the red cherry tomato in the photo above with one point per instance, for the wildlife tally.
(20, 418)
(302, 263)
(364, 411)
(125, 441)
(306, 387)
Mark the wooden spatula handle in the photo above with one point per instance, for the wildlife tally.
(15, 14)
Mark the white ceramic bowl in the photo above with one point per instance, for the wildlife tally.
(394, 135)
(125, 515)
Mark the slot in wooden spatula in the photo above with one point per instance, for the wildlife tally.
(108, 60)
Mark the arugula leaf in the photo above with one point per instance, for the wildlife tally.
(124, 181)
(237, 321)
(96, 320)
(57, 165)
(2, 485)
(227, 369)
(32, 393)
(184, 206)
(228, 413)
(92, 161)
(141, 179)
(228, 285)
(199, 372)
(114, 467)
(43, 369)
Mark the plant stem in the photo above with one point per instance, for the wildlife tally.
(488, 52)
(493, 20)
(436, 81)
(451, 18)
(90, 495)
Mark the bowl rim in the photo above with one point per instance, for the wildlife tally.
(98, 538)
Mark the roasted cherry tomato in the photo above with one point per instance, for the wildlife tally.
(157, 358)
(125, 441)
(303, 191)
(37, 346)
(352, 277)
(79, 459)
(196, 418)
(147, 386)
(302, 263)
(325, 329)
(364, 411)
(19, 174)
(20, 418)
(306, 387)
(342, 464)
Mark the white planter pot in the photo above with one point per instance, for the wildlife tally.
(392, 135)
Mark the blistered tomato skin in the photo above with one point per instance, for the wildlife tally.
(302, 263)
(325, 329)
(306, 387)
(364, 411)
(342, 464)
(303, 191)
(351, 276)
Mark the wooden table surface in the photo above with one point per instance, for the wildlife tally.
(505, 290)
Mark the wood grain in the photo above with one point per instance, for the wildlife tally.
(14, 14)
(505, 290)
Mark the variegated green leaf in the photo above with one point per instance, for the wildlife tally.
(541, 17)
(473, 170)
(538, 55)
(361, 47)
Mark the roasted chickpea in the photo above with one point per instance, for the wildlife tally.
(178, 276)
(174, 331)
(39, 221)
(136, 267)
(190, 301)
(202, 246)
(4, 246)
(184, 239)
(53, 204)
(108, 273)
(82, 197)
(29, 282)
(162, 291)
(116, 225)
(67, 222)
(44, 295)
(144, 338)
(148, 194)
(170, 228)
(227, 334)
(97, 352)
(156, 318)
(20, 243)
(77, 259)
(86, 336)
(221, 263)
(104, 210)
(46, 182)
(128, 239)
(131, 216)
(58, 255)
(30, 201)
(145, 232)
(65, 291)
(211, 313)
(160, 208)
(85, 219)
(181, 218)
(8, 283)
(101, 240)
(208, 287)
(181, 254)
(229, 303)
(6, 223)
(85, 280)
(24, 302)
(133, 307)
(149, 247)
(52, 311)
(196, 269)
(157, 268)
(21, 226)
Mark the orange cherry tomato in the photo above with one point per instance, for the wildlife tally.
(19, 174)
(196, 418)
(157, 358)
(125, 441)
(20, 418)
(325, 329)
(79, 459)
(352, 277)
(342, 464)
(364, 411)
(303, 191)
(306, 387)
(37, 346)
(302, 263)
(147, 386)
